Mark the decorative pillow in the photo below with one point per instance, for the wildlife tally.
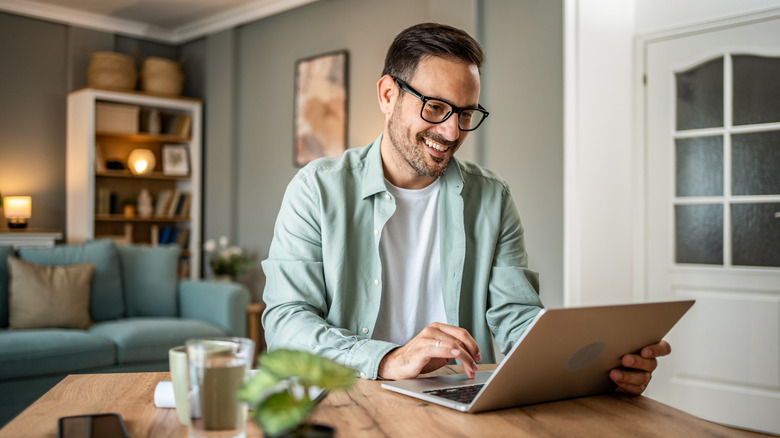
(151, 279)
(49, 296)
(5, 251)
(106, 301)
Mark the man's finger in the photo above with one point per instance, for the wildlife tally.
(639, 363)
(631, 380)
(463, 337)
(451, 348)
(662, 348)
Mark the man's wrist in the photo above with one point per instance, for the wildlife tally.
(384, 371)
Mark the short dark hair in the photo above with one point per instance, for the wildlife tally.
(429, 40)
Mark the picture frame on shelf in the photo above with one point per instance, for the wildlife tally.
(320, 107)
(175, 160)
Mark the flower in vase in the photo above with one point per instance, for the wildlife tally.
(225, 259)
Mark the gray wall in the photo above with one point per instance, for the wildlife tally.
(33, 75)
(523, 88)
(41, 63)
(245, 76)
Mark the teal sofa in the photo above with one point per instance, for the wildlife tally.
(139, 308)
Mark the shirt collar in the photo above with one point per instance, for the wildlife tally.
(374, 172)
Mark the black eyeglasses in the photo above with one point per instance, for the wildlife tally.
(438, 111)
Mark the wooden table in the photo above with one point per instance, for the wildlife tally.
(369, 411)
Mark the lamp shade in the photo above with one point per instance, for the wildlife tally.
(141, 161)
(17, 207)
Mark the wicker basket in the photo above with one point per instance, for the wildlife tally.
(161, 76)
(111, 70)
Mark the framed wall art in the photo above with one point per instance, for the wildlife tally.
(320, 107)
(175, 159)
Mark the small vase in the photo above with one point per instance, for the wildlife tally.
(144, 203)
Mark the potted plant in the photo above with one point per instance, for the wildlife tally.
(226, 261)
(280, 394)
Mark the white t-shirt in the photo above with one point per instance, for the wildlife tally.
(410, 251)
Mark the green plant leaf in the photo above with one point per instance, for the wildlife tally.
(308, 369)
(254, 390)
(281, 413)
(269, 392)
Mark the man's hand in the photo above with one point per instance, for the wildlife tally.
(430, 350)
(639, 368)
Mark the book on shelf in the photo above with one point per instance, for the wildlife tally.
(165, 235)
(114, 203)
(185, 210)
(171, 234)
(172, 202)
(182, 205)
(154, 234)
(163, 202)
(179, 125)
(103, 201)
(183, 238)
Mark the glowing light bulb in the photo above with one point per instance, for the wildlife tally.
(140, 166)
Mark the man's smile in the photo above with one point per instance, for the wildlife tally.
(436, 146)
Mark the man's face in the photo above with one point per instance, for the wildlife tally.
(420, 151)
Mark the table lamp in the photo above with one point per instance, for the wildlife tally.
(141, 161)
(17, 209)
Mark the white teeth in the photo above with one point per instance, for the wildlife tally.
(436, 146)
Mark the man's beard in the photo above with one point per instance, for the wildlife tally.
(408, 147)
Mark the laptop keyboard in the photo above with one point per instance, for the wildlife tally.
(463, 394)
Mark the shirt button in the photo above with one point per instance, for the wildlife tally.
(376, 232)
(362, 375)
(365, 330)
(388, 197)
(376, 282)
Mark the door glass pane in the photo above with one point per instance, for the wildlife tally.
(756, 163)
(700, 96)
(699, 166)
(755, 234)
(699, 234)
(756, 89)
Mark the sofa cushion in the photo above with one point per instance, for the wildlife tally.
(150, 277)
(106, 299)
(48, 296)
(51, 351)
(5, 252)
(144, 339)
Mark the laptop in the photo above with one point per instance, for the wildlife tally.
(564, 353)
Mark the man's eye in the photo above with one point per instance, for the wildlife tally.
(436, 107)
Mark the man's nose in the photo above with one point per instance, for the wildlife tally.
(449, 128)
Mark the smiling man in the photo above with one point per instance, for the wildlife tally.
(398, 257)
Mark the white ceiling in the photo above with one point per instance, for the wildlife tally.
(171, 21)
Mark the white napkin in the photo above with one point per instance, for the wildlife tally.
(163, 395)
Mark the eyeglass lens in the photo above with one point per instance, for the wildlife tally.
(435, 111)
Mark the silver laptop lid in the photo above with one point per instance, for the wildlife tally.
(565, 353)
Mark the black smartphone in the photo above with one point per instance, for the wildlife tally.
(92, 426)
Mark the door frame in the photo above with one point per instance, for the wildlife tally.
(640, 111)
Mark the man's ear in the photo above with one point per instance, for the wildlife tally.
(387, 92)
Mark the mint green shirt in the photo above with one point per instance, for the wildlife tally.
(324, 272)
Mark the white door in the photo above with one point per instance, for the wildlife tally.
(712, 218)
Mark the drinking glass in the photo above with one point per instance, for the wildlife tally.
(217, 368)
